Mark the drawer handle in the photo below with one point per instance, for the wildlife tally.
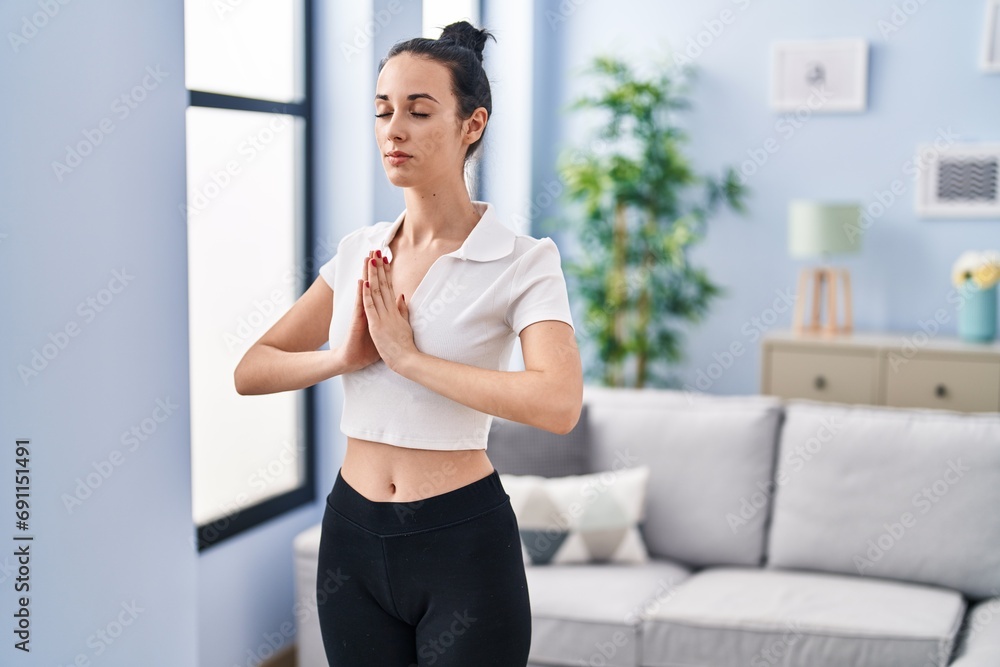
(940, 391)
(820, 382)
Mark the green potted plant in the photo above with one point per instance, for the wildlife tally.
(637, 207)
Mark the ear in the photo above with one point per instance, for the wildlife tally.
(475, 125)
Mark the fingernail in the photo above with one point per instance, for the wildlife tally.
(378, 253)
(385, 260)
(373, 262)
(366, 283)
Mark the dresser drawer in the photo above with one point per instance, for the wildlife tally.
(843, 377)
(950, 384)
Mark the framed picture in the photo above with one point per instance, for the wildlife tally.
(819, 75)
(991, 37)
(958, 181)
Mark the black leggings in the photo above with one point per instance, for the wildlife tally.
(438, 581)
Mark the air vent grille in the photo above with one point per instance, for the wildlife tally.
(959, 181)
(967, 179)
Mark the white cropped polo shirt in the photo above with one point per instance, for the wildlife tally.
(470, 307)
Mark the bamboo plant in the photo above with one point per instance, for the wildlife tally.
(637, 207)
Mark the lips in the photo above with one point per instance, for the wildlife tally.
(397, 158)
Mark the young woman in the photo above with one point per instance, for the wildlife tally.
(420, 561)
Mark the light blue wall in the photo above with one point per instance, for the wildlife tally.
(131, 541)
(924, 77)
(396, 20)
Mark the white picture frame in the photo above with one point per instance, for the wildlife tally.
(958, 181)
(823, 76)
(990, 53)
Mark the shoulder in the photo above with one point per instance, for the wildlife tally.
(532, 253)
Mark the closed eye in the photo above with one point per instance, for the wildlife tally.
(389, 113)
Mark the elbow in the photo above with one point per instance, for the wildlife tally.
(569, 418)
(240, 380)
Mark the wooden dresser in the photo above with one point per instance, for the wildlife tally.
(906, 369)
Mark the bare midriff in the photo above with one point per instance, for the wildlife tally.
(386, 473)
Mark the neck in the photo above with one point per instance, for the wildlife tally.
(441, 214)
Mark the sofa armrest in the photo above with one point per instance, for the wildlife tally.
(979, 641)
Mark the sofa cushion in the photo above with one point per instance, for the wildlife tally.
(711, 459)
(743, 616)
(580, 518)
(590, 614)
(909, 494)
(522, 449)
(308, 638)
(979, 639)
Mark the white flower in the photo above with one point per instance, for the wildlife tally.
(981, 267)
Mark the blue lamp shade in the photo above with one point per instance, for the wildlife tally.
(818, 229)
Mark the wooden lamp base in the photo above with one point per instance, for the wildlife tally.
(828, 276)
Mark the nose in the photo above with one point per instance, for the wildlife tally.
(394, 128)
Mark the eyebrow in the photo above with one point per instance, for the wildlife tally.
(411, 96)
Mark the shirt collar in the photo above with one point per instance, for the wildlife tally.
(490, 239)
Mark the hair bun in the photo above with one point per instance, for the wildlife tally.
(465, 34)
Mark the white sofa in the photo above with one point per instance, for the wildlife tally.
(790, 533)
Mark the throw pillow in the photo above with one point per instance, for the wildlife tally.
(594, 517)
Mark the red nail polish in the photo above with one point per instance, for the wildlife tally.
(385, 260)
(373, 262)
(366, 283)
(378, 253)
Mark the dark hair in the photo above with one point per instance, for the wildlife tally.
(460, 49)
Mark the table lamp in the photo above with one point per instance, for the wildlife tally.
(819, 230)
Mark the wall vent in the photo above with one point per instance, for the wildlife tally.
(960, 181)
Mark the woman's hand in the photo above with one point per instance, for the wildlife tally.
(359, 350)
(388, 316)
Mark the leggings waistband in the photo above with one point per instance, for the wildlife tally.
(391, 518)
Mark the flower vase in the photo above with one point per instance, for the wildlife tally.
(977, 318)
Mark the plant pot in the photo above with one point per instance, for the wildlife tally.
(977, 316)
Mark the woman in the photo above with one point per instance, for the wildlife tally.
(420, 561)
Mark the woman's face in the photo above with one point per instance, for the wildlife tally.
(417, 114)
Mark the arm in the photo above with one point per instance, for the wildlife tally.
(286, 357)
(548, 394)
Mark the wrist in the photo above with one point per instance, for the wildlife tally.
(408, 363)
(338, 363)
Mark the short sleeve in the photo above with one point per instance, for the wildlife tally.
(329, 271)
(539, 290)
